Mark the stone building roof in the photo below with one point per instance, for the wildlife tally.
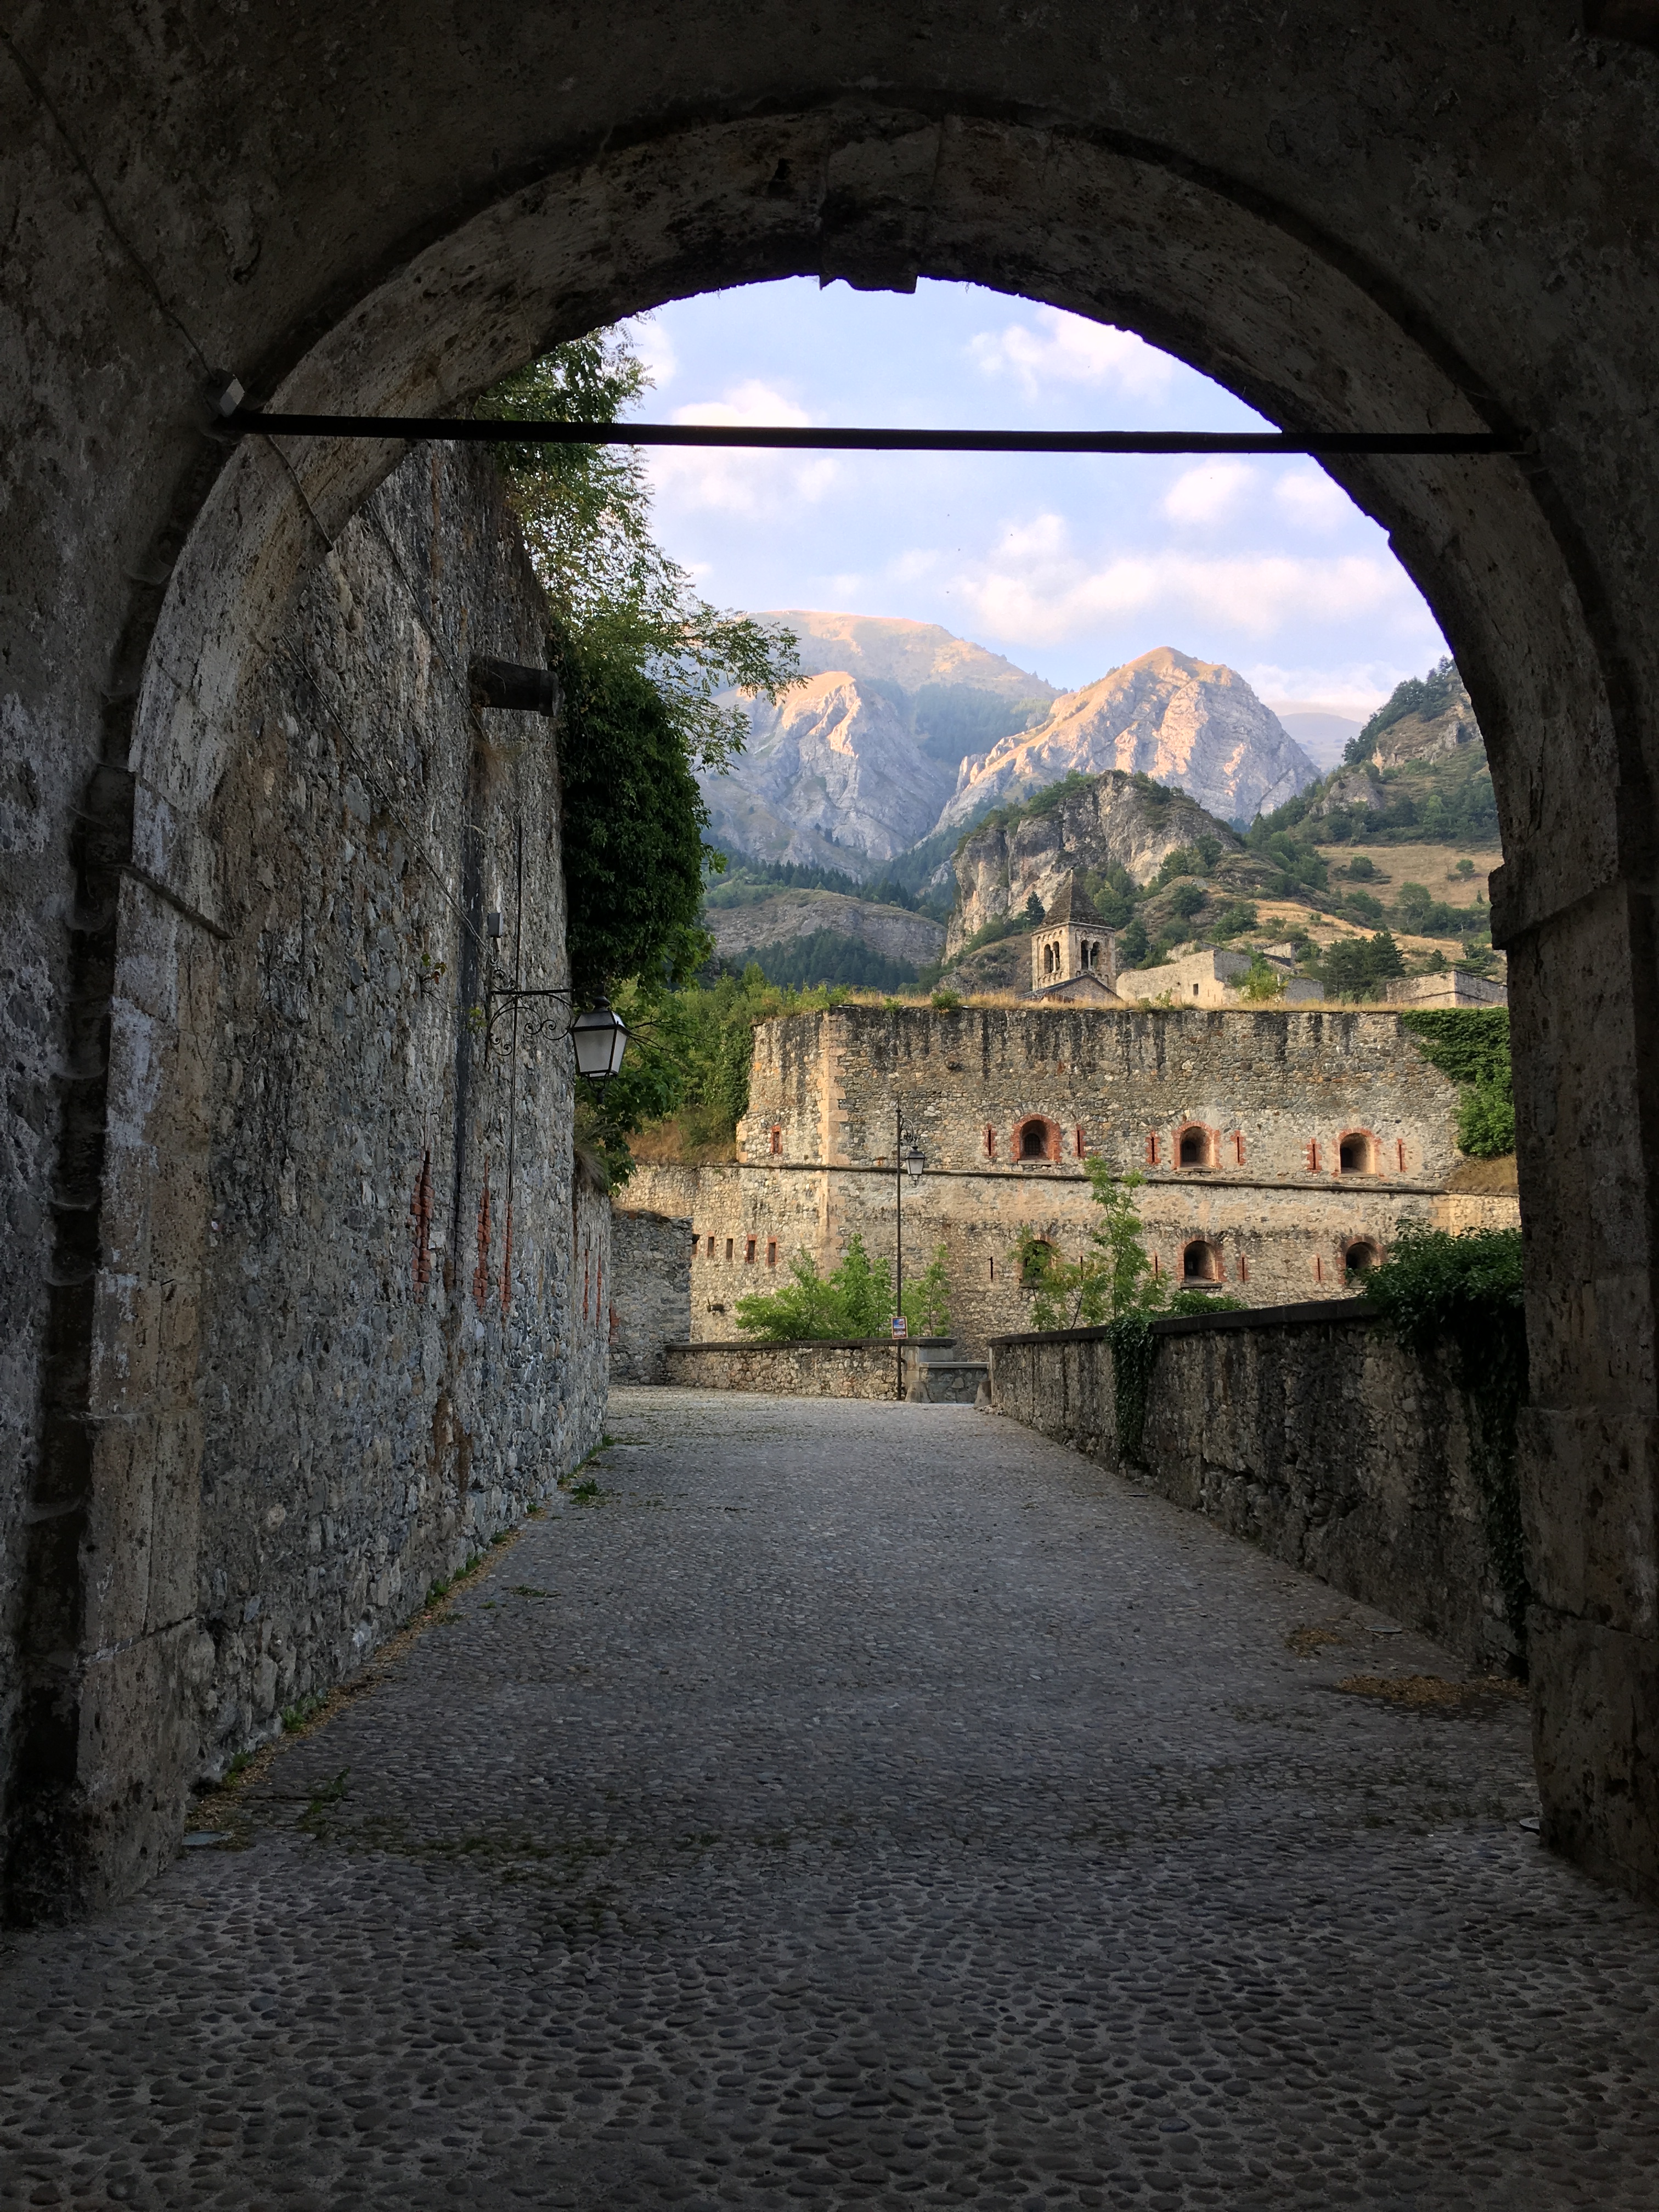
(1073, 905)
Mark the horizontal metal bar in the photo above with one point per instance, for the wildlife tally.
(768, 436)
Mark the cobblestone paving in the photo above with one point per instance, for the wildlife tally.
(865, 1805)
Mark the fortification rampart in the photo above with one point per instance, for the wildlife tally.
(1286, 1146)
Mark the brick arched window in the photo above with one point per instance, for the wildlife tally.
(1357, 1152)
(1037, 1138)
(1361, 1256)
(1200, 1262)
(1194, 1146)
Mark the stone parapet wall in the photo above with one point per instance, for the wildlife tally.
(650, 1291)
(1309, 1431)
(856, 1367)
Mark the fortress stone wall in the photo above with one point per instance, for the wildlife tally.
(1285, 1144)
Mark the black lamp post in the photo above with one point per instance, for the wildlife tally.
(907, 1161)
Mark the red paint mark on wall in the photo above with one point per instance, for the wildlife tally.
(1152, 1148)
(481, 1272)
(420, 1212)
(1238, 1147)
(1313, 1155)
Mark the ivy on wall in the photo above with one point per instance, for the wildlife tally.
(1471, 1044)
(1462, 1294)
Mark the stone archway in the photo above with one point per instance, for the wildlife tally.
(1303, 218)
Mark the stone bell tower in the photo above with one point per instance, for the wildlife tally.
(1073, 954)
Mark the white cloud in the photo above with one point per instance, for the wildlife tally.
(1208, 493)
(655, 349)
(914, 567)
(1037, 588)
(1066, 349)
(732, 479)
(1309, 498)
(1356, 688)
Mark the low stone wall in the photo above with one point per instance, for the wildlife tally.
(1304, 1429)
(851, 1367)
(650, 1291)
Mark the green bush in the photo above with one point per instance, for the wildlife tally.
(1471, 1044)
(856, 1300)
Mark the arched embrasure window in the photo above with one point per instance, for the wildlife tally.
(1193, 1147)
(1200, 1262)
(1362, 1255)
(1038, 1254)
(1356, 1153)
(1032, 1140)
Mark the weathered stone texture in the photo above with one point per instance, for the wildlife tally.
(405, 1287)
(862, 1367)
(348, 1320)
(1311, 1433)
(650, 1291)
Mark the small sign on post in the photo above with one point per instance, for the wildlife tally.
(901, 1326)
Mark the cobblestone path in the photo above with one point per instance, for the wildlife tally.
(865, 1805)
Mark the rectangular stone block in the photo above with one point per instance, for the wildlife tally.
(1589, 1497)
(1595, 1732)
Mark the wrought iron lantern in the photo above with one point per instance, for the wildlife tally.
(913, 1162)
(599, 1038)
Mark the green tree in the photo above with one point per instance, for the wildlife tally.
(1113, 1279)
(586, 511)
(647, 668)
(926, 1302)
(855, 1301)
(1471, 1044)
(1262, 981)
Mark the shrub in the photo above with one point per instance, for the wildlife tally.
(856, 1300)
(1471, 1044)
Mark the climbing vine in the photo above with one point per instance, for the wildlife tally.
(1471, 1044)
(1463, 1292)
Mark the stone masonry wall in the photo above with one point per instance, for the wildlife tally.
(860, 1368)
(1273, 1092)
(650, 1291)
(347, 1316)
(405, 1334)
(1309, 1431)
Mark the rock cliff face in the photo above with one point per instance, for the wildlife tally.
(908, 653)
(1191, 723)
(1112, 822)
(1432, 736)
(853, 768)
(888, 930)
(834, 777)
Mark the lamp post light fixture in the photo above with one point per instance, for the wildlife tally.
(599, 1038)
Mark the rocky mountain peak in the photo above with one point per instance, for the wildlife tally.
(1113, 821)
(1191, 723)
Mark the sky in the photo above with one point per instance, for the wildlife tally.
(1068, 565)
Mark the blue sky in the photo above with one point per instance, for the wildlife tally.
(1069, 566)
